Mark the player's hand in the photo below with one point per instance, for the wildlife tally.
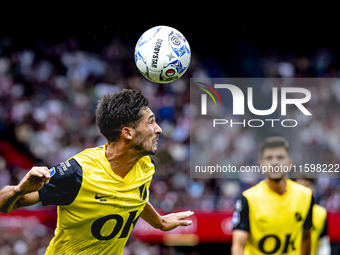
(34, 180)
(173, 220)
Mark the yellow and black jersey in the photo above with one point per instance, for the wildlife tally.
(97, 209)
(319, 228)
(275, 222)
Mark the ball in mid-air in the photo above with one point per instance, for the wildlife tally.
(162, 54)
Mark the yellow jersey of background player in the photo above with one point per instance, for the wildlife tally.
(319, 235)
(274, 216)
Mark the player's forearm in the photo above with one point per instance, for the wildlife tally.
(239, 241)
(151, 216)
(166, 222)
(26, 192)
(237, 250)
(306, 243)
(9, 195)
(306, 247)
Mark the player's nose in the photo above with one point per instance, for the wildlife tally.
(158, 129)
(274, 162)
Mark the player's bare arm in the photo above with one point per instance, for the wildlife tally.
(26, 192)
(306, 242)
(239, 241)
(166, 222)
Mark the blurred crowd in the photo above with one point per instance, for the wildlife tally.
(48, 95)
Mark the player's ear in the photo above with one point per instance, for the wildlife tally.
(127, 133)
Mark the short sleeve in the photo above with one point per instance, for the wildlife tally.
(64, 185)
(241, 215)
(324, 231)
(308, 222)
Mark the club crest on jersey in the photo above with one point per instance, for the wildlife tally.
(298, 216)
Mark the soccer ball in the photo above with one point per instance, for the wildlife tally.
(162, 54)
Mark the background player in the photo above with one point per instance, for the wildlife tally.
(101, 192)
(319, 238)
(274, 216)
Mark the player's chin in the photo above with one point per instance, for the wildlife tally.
(276, 176)
(152, 151)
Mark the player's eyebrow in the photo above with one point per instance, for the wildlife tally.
(151, 116)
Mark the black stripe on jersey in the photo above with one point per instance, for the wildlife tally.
(141, 190)
(64, 185)
(241, 215)
(308, 222)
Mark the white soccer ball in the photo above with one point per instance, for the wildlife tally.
(162, 54)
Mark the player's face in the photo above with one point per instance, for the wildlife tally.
(275, 159)
(146, 134)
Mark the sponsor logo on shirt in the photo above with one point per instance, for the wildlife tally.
(62, 167)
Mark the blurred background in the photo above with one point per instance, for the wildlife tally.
(56, 62)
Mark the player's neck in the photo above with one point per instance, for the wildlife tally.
(121, 160)
(279, 187)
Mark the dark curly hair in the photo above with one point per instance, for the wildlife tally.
(118, 110)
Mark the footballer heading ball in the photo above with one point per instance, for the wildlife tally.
(162, 54)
